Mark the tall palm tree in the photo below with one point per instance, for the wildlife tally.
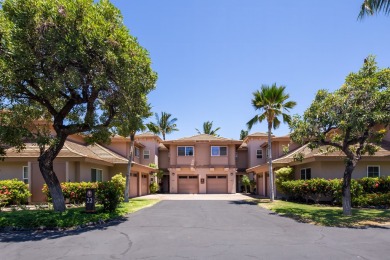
(208, 128)
(371, 7)
(271, 101)
(164, 125)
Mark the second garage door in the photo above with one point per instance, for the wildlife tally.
(188, 184)
(144, 184)
(217, 184)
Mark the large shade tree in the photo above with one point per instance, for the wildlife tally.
(68, 64)
(208, 129)
(271, 102)
(352, 119)
(164, 124)
(371, 7)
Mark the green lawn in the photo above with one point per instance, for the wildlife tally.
(327, 215)
(71, 218)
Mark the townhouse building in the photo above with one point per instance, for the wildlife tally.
(201, 164)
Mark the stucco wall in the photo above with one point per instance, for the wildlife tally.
(335, 169)
(11, 170)
(202, 155)
(151, 145)
(253, 145)
(85, 171)
(242, 159)
(163, 159)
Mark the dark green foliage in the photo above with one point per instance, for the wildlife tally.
(365, 191)
(153, 187)
(282, 175)
(108, 193)
(14, 192)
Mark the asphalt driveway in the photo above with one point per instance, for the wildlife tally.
(200, 229)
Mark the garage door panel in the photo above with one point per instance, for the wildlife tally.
(134, 185)
(217, 184)
(144, 184)
(188, 184)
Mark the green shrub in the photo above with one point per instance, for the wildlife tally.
(14, 192)
(282, 175)
(109, 194)
(245, 182)
(375, 185)
(372, 199)
(318, 189)
(153, 187)
(120, 181)
(73, 191)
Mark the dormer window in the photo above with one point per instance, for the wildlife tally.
(218, 150)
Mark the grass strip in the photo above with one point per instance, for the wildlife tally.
(328, 215)
(72, 217)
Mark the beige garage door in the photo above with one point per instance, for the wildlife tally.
(217, 184)
(133, 185)
(144, 184)
(188, 184)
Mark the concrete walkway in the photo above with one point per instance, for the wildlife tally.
(226, 197)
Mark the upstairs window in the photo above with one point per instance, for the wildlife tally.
(218, 150)
(259, 154)
(96, 175)
(146, 154)
(306, 174)
(25, 174)
(185, 151)
(136, 152)
(373, 171)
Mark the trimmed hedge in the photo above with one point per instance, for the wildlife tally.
(13, 192)
(364, 192)
(108, 193)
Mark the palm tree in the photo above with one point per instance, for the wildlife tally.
(371, 7)
(243, 134)
(164, 125)
(208, 128)
(271, 101)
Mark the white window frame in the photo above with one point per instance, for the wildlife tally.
(259, 154)
(185, 151)
(219, 151)
(24, 173)
(96, 172)
(146, 153)
(305, 169)
(379, 170)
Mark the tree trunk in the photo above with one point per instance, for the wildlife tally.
(128, 172)
(271, 176)
(47, 171)
(346, 188)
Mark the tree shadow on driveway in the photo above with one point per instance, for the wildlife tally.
(36, 234)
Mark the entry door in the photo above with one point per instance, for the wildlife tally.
(217, 184)
(188, 184)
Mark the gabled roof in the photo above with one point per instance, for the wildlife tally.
(148, 135)
(255, 135)
(74, 150)
(318, 154)
(203, 138)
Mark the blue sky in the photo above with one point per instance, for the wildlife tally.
(212, 55)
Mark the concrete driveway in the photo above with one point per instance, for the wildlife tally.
(200, 229)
